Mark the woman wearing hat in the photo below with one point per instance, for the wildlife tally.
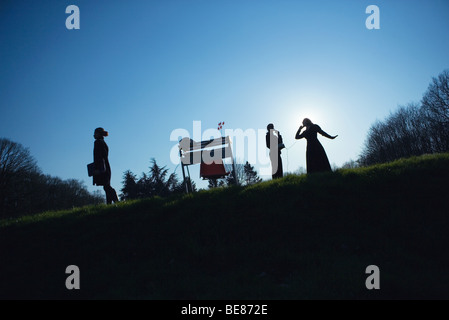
(102, 173)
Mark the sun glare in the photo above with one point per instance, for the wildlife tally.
(314, 112)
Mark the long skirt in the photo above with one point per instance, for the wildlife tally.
(316, 157)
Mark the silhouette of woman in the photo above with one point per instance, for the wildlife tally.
(316, 158)
(102, 174)
(274, 143)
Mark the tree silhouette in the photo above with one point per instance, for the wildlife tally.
(215, 183)
(402, 134)
(351, 164)
(245, 173)
(14, 160)
(162, 185)
(157, 182)
(436, 98)
(412, 130)
(130, 188)
(435, 104)
(25, 190)
(181, 187)
(18, 171)
(251, 176)
(239, 173)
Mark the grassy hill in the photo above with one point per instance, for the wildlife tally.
(300, 237)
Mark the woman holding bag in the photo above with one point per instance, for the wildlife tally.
(102, 169)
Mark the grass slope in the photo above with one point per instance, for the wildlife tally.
(300, 237)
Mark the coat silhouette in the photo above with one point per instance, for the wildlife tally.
(102, 175)
(275, 144)
(316, 158)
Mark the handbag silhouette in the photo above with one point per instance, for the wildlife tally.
(91, 171)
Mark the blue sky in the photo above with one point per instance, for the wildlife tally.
(142, 69)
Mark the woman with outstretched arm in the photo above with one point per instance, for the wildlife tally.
(316, 158)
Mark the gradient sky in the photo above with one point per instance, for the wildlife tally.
(142, 69)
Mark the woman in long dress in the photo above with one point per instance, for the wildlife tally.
(316, 158)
